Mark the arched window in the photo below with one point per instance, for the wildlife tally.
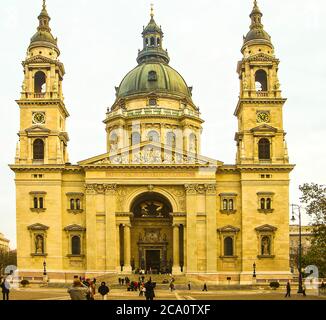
(261, 80)
(75, 245)
(72, 204)
(225, 204)
(78, 204)
(114, 142)
(193, 143)
(39, 82)
(262, 203)
(135, 138)
(152, 41)
(146, 41)
(230, 204)
(268, 203)
(153, 136)
(171, 139)
(228, 246)
(38, 149)
(264, 150)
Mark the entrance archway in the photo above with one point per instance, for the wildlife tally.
(151, 233)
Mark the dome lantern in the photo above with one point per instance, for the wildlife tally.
(152, 43)
(43, 37)
(257, 34)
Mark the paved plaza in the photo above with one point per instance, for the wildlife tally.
(162, 294)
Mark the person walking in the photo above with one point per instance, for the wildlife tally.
(91, 290)
(104, 290)
(205, 287)
(5, 286)
(304, 289)
(288, 289)
(77, 291)
(149, 286)
(189, 285)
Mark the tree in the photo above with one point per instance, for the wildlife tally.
(314, 198)
(7, 258)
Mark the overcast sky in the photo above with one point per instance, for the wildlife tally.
(99, 40)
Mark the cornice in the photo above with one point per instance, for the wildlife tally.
(260, 100)
(43, 102)
(44, 168)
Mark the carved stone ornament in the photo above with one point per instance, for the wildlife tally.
(211, 188)
(190, 188)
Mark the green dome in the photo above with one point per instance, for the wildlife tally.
(153, 77)
(257, 34)
(43, 36)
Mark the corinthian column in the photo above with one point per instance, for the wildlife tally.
(176, 253)
(126, 232)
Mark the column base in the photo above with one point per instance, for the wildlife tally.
(126, 270)
(176, 270)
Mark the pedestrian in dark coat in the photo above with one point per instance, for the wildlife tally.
(104, 290)
(288, 289)
(149, 293)
(205, 287)
(5, 289)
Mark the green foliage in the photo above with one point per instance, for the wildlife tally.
(314, 198)
(274, 284)
(7, 259)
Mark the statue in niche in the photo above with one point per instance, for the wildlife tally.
(164, 237)
(265, 243)
(39, 244)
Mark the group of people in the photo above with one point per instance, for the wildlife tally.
(145, 288)
(85, 289)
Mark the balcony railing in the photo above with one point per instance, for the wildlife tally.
(39, 95)
(153, 111)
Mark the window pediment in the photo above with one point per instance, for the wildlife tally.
(37, 226)
(74, 227)
(228, 228)
(263, 128)
(266, 228)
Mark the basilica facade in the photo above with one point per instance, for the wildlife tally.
(152, 202)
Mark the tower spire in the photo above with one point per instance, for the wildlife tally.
(257, 32)
(152, 11)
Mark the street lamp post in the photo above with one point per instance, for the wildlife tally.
(44, 266)
(300, 245)
(254, 273)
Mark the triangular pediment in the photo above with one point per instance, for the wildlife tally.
(37, 128)
(228, 228)
(266, 227)
(42, 59)
(150, 153)
(37, 226)
(263, 128)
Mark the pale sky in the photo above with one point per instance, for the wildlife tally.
(99, 40)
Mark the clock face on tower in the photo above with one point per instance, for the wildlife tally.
(263, 117)
(38, 117)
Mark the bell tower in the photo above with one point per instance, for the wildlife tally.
(42, 135)
(260, 137)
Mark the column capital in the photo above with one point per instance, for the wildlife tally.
(190, 188)
(110, 188)
(210, 188)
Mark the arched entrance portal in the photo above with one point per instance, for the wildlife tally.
(151, 233)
